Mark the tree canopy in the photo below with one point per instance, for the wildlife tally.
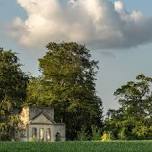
(134, 117)
(13, 84)
(68, 84)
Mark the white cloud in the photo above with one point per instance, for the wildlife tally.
(97, 23)
(119, 6)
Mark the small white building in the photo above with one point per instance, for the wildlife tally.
(38, 125)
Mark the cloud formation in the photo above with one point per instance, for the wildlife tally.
(96, 23)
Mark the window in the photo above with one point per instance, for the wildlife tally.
(34, 133)
(48, 134)
(41, 134)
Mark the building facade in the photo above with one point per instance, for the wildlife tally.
(37, 124)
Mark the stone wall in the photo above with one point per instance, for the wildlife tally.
(59, 128)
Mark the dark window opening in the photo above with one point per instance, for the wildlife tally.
(58, 136)
(34, 133)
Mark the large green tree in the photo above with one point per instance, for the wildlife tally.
(68, 84)
(134, 118)
(13, 84)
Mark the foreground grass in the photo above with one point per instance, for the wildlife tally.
(132, 146)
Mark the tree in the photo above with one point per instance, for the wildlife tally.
(68, 84)
(13, 84)
(37, 93)
(134, 117)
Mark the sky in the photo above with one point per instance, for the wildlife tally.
(118, 32)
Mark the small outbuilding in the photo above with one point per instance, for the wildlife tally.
(37, 124)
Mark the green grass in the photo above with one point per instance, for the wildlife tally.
(118, 146)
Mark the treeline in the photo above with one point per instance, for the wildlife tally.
(67, 83)
(133, 120)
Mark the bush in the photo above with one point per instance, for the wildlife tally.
(106, 136)
(82, 135)
(96, 133)
(122, 134)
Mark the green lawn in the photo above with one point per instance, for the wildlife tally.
(132, 146)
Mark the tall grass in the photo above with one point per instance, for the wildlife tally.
(118, 146)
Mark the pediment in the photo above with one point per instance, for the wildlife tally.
(41, 119)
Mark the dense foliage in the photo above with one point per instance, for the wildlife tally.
(133, 120)
(68, 84)
(135, 146)
(13, 84)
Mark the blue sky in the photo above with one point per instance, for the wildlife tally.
(117, 65)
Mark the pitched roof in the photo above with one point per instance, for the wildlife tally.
(45, 115)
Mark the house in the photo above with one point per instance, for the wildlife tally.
(37, 124)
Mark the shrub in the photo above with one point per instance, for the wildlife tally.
(106, 136)
(96, 133)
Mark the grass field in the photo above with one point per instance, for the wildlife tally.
(132, 146)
